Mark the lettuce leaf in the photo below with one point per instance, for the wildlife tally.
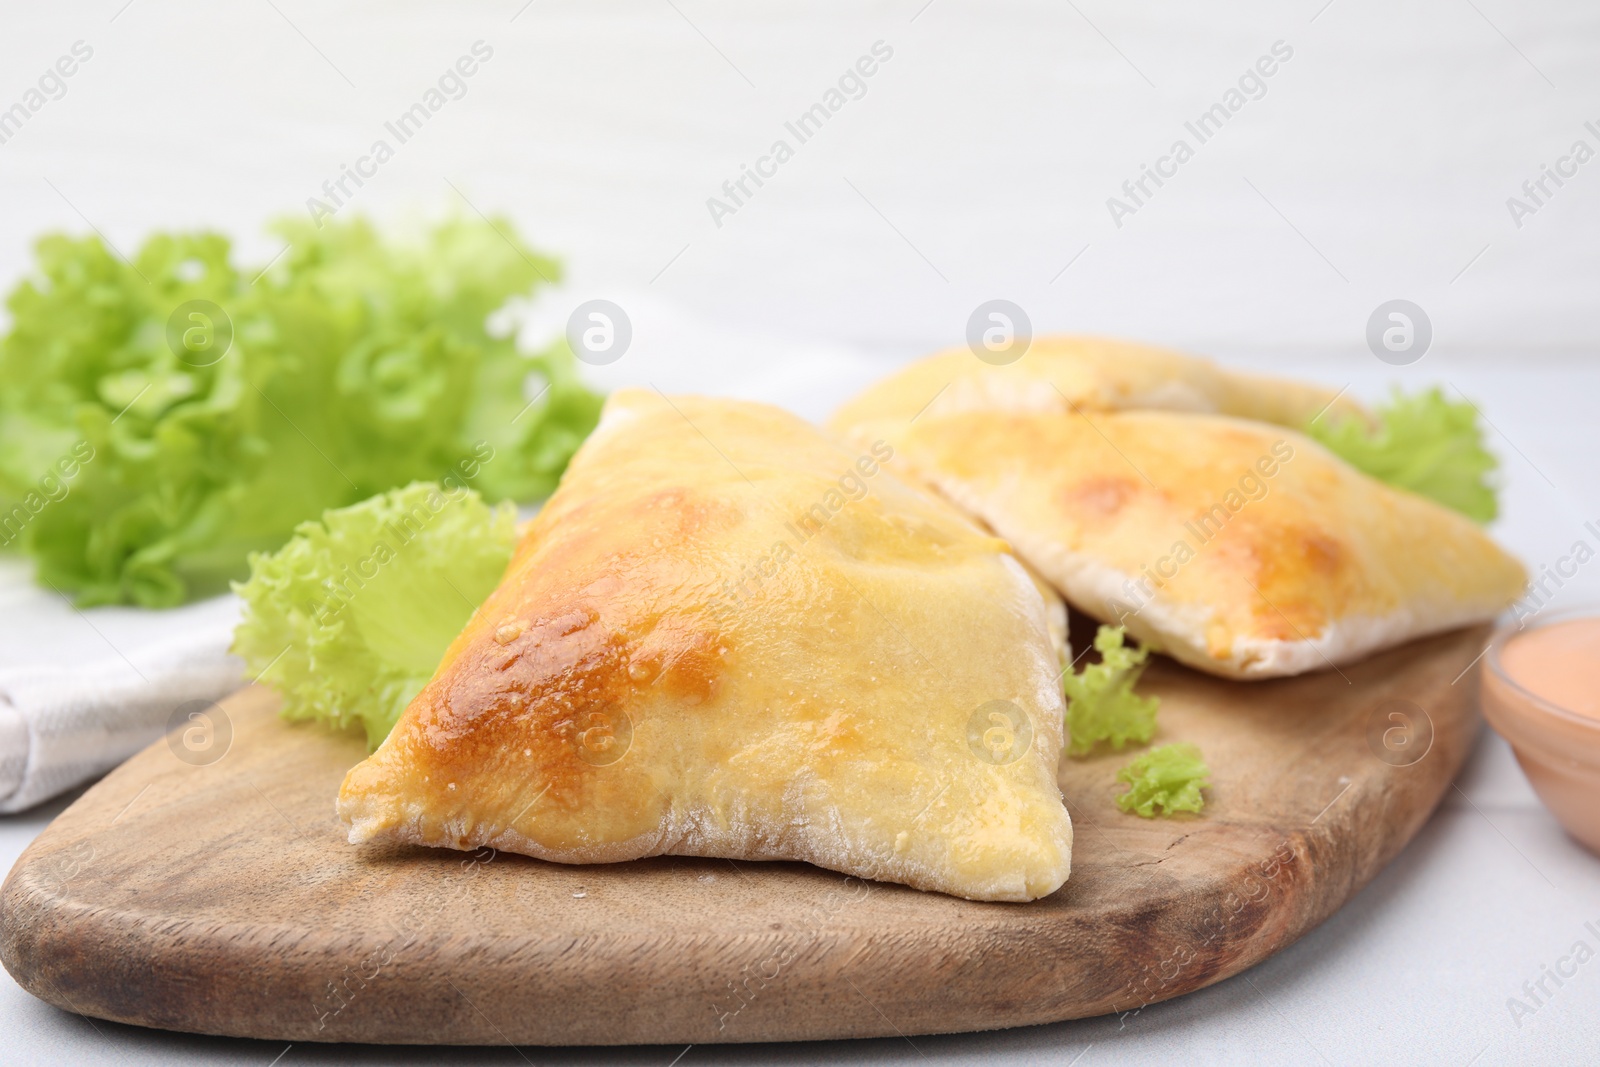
(1165, 780)
(1426, 443)
(1101, 704)
(356, 364)
(349, 619)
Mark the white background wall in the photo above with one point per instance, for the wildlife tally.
(977, 165)
(990, 141)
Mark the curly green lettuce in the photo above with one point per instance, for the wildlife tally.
(351, 365)
(349, 619)
(1164, 781)
(1101, 703)
(1424, 442)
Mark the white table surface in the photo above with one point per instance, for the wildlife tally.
(1417, 968)
(978, 164)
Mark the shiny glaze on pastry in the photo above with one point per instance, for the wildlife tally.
(1240, 548)
(728, 635)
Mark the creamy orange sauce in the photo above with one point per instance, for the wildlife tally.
(1559, 663)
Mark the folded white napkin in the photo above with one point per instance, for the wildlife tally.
(83, 689)
(61, 725)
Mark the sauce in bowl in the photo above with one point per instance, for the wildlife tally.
(1541, 692)
(1559, 663)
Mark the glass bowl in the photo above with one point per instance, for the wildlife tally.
(1559, 749)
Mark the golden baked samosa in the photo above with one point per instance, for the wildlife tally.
(1239, 547)
(727, 635)
(1089, 374)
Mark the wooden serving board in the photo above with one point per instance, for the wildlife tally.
(223, 898)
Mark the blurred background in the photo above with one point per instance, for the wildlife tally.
(976, 162)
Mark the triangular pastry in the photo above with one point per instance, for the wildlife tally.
(1068, 374)
(1240, 548)
(727, 635)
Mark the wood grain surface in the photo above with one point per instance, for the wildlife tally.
(222, 898)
